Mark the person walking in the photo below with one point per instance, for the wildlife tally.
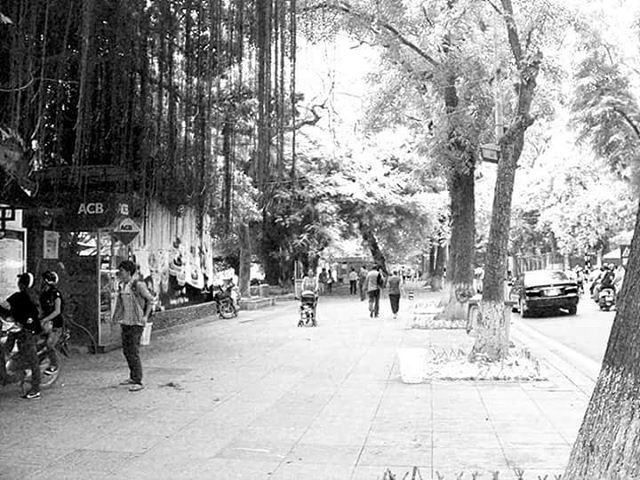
(374, 282)
(353, 282)
(393, 283)
(133, 306)
(330, 280)
(24, 310)
(52, 321)
(322, 279)
(362, 280)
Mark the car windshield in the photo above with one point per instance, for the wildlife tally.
(544, 277)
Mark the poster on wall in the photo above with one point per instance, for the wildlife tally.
(51, 245)
(12, 262)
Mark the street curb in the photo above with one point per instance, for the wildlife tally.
(578, 369)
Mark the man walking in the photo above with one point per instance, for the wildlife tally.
(353, 281)
(132, 310)
(374, 282)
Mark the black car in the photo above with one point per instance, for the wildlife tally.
(545, 290)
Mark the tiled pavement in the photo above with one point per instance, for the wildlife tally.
(258, 398)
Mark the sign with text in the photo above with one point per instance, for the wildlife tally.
(126, 230)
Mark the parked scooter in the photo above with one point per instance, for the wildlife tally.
(606, 299)
(13, 368)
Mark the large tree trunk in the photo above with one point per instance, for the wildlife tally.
(492, 333)
(459, 272)
(608, 443)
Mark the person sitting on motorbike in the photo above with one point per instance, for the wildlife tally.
(52, 321)
(221, 292)
(24, 310)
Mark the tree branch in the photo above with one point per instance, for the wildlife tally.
(346, 8)
(512, 32)
(629, 121)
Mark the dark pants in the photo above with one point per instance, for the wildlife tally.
(353, 287)
(394, 298)
(131, 335)
(374, 302)
(27, 347)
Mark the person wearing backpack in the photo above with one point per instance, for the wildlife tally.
(133, 306)
(374, 282)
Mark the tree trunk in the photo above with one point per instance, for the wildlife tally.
(608, 443)
(370, 239)
(244, 274)
(459, 272)
(492, 333)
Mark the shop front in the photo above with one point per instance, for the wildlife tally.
(79, 243)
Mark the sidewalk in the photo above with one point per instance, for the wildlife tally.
(255, 397)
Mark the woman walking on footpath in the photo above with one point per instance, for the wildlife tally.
(362, 280)
(133, 306)
(393, 283)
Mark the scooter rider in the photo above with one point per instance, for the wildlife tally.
(52, 322)
(24, 311)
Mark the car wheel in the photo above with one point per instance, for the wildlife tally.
(524, 311)
(573, 310)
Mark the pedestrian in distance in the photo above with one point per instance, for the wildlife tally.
(393, 283)
(322, 280)
(329, 280)
(133, 306)
(24, 309)
(353, 282)
(52, 321)
(362, 280)
(374, 283)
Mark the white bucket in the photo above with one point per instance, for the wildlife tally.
(413, 364)
(146, 334)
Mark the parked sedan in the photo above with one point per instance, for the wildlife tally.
(545, 290)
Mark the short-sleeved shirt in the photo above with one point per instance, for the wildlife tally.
(372, 282)
(353, 276)
(394, 285)
(48, 303)
(24, 311)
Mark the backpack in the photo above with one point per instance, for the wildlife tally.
(143, 302)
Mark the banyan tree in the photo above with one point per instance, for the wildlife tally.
(179, 96)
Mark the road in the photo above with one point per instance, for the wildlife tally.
(586, 333)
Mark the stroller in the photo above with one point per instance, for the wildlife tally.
(308, 304)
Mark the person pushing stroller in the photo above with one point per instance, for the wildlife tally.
(308, 300)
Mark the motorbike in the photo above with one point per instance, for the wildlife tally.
(13, 368)
(225, 302)
(606, 299)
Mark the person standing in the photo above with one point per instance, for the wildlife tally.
(353, 281)
(24, 310)
(133, 306)
(393, 283)
(52, 321)
(374, 282)
(362, 280)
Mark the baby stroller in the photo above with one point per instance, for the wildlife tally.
(308, 304)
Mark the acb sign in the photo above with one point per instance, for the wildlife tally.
(126, 230)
